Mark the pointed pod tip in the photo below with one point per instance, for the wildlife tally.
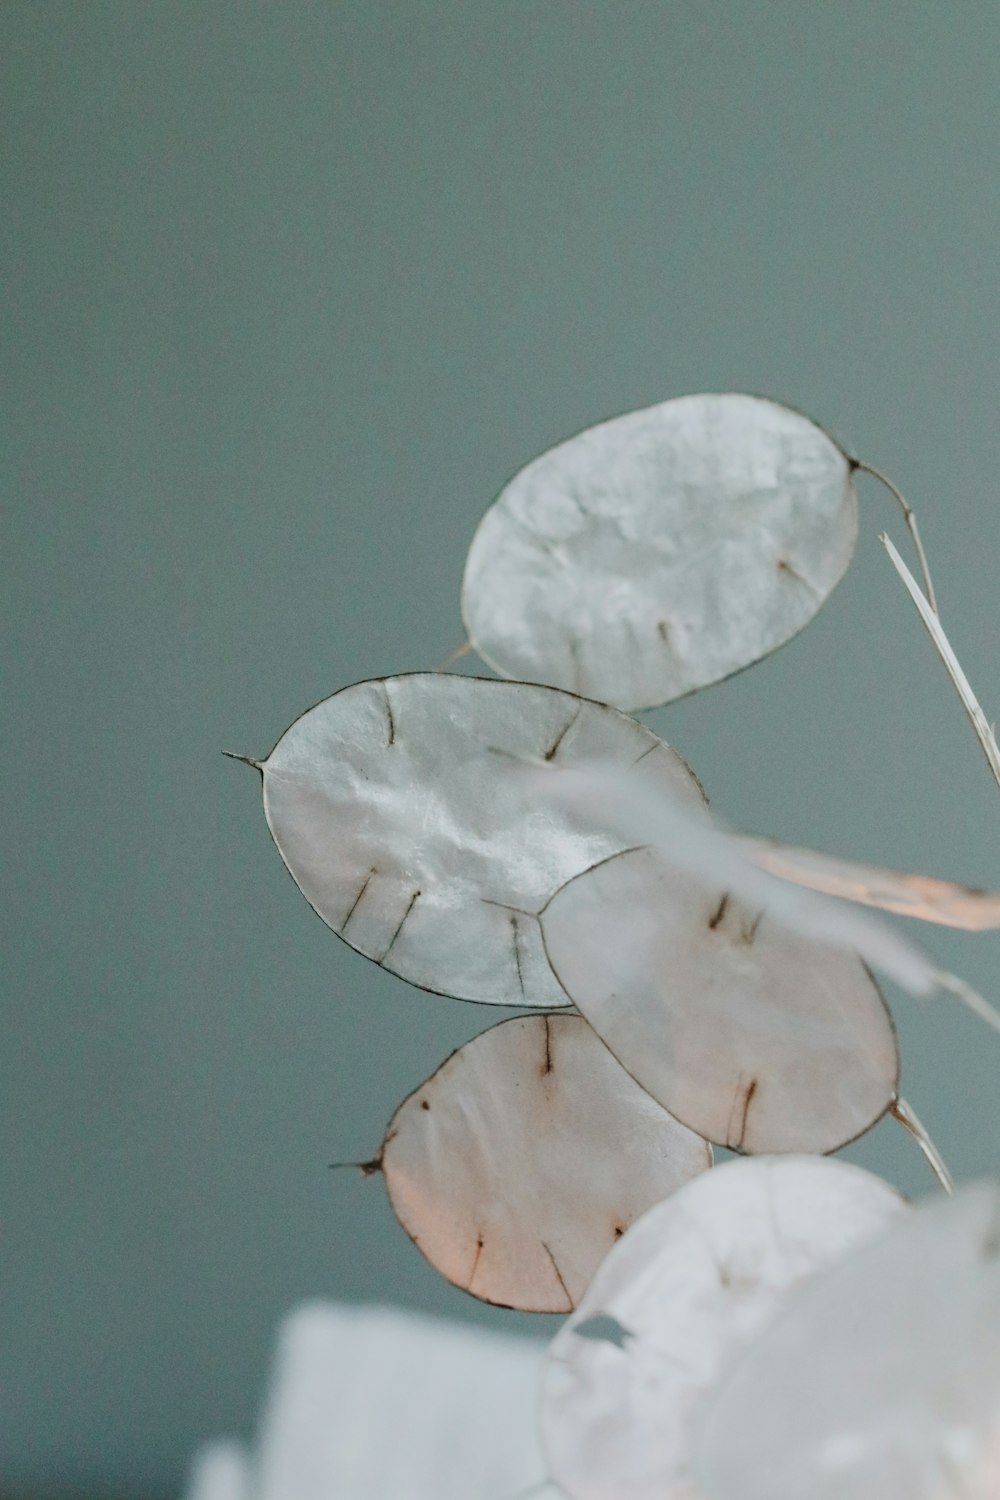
(366, 1168)
(248, 760)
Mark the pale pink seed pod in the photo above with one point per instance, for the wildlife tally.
(526, 1156)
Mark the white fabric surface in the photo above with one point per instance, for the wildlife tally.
(369, 1403)
(221, 1471)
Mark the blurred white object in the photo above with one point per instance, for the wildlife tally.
(221, 1471)
(879, 1379)
(370, 1403)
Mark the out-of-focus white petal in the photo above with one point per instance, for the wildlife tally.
(689, 1285)
(881, 1378)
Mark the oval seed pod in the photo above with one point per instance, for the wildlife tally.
(879, 1378)
(758, 1038)
(523, 1159)
(661, 551)
(400, 807)
(689, 1286)
(646, 814)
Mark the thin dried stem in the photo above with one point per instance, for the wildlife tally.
(247, 760)
(911, 522)
(970, 998)
(454, 656)
(907, 1117)
(970, 702)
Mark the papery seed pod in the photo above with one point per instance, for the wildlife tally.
(690, 1284)
(881, 1378)
(400, 808)
(701, 855)
(526, 1156)
(661, 551)
(757, 1037)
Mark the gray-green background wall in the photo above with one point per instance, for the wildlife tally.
(291, 289)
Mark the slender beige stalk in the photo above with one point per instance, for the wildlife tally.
(454, 656)
(911, 522)
(907, 1117)
(970, 702)
(970, 998)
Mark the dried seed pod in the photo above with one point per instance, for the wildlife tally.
(523, 1159)
(687, 1288)
(661, 551)
(880, 1378)
(645, 813)
(400, 807)
(922, 897)
(757, 1037)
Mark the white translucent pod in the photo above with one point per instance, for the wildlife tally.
(400, 807)
(526, 1156)
(685, 1290)
(881, 1378)
(757, 1037)
(662, 550)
